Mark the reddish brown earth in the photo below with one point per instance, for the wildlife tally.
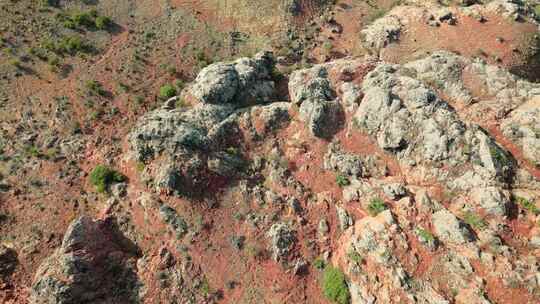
(39, 216)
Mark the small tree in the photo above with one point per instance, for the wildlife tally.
(376, 206)
(342, 181)
(102, 177)
(167, 91)
(335, 286)
(103, 22)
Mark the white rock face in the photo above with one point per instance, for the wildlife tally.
(448, 228)
(410, 121)
(245, 81)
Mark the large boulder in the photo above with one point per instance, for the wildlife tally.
(94, 264)
(242, 82)
(310, 89)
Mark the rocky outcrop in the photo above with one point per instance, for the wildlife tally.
(449, 228)
(523, 128)
(282, 240)
(190, 151)
(381, 33)
(310, 89)
(492, 199)
(343, 163)
(401, 35)
(409, 120)
(242, 82)
(94, 264)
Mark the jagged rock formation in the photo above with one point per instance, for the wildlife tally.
(243, 82)
(94, 264)
(426, 187)
(409, 32)
(197, 149)
(426, 115)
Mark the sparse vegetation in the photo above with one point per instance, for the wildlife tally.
(472, 219)
(342, 181)
(93, 87)
(15, 62)
(167, 91)
(527, 205)
(89, 20)
(425, 235)
(103, 22)
(102, 177)
(72, 45)
(376, 206)
(327, 47)
(355, 257)
(319, 263)
(499, 155)
(334, 286)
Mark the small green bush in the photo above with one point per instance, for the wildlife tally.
(103, 22)
(179, 84)
(167, 91)
(15, 62)
(83, 19)
(528, 205)
(102, 177)
(67, 45)
(425, 235)
(474, 220)
(355, 257)
(319, 263)
(51, 3)
(334, 286)
(342, 181)
(72, 45)
(94, 88)
(376, 206)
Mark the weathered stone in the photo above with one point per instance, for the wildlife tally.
(311, 90)
(323, 118)
(492, 199)
(341, 162)
(323, 227)
(394, 191)
(95, 263)
(245, 81)
(175, 222)
(449, 228)
(282, 239)
(345, 220)
(381, 32)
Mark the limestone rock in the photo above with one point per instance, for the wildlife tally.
(282, 240)
(242, 82)
(492, 199)
(95, 263)
(449, 228)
